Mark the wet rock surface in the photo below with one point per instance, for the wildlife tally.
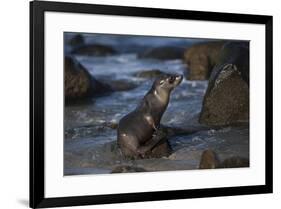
(210, 160)
(230, 144)
(127, 169)
(78, 83)
(227, 98)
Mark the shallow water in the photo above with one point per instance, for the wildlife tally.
(90, 145)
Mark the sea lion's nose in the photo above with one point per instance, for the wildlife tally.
(172, 79)
(178, 77)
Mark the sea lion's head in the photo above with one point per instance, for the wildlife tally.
(167, 82)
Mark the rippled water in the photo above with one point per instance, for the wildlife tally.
(90, 145)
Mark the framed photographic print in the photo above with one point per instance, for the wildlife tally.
(135, 104)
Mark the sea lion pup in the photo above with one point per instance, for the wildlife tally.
(135, 130)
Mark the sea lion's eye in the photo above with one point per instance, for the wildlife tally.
(161, 82)
(172, 79)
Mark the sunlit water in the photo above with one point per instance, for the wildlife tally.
(90, 146)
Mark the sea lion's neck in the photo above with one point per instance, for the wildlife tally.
(156, 100)
(154, 104)
(162, 95)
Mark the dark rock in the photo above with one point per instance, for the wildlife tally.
(201, 58)
(111, 125)
(236, 53)
(163, 148)
(127, 169)
(234, 162)
(163, 53)
(153, 73)
(226, 100)
(94, 50)
(77, 40)
(210, 160)
(121, 85)
(78, 83)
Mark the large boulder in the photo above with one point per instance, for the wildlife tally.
(78, 83)
(163, 53)
(226, 100)
(201, 58)
(94, 50)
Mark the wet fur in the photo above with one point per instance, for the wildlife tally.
(135, 130)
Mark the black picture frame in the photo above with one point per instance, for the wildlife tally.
(37, 195)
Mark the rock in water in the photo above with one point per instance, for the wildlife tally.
(234, 162)
(163, 148)
(153, 73)
(77, 40)
(78, 83)
(94, 50)
(226, 100)
(201, 58)
(163, 53)
(120, 85)
(209, 160)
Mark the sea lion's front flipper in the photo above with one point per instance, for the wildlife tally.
(150, 121)
(155, 140)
